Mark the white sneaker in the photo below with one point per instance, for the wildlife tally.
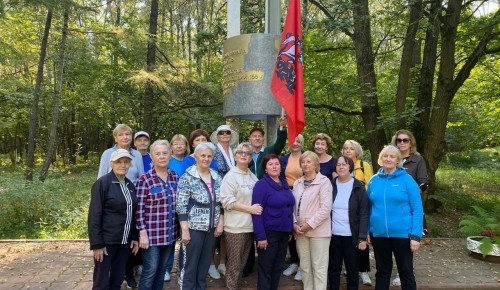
(212, 271)
(298, 276)
(292, 269)
(365, 279)
(222, 269)
(396, 282)
(167, 277)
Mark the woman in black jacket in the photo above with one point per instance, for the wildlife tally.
(111, 223)
(349, 224)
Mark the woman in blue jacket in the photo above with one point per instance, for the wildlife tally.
(272, 229)
(395, 219)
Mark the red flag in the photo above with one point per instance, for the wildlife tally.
(287, 84)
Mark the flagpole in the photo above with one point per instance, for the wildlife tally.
(282, 115)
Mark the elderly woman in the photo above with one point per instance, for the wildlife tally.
(224, 139)
(291, 171)
(349, 224)
(156, 216)
(180, 149)
(322, 144)
(122, 135)
(312, 221)
(236, 198)
(200, 215)
(392, 190)
(362, 172)
(111, 222)
(414, 164)
(274, 227)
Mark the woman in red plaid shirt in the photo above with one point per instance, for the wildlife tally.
(156, 217)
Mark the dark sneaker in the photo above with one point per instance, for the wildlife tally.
(131, 283)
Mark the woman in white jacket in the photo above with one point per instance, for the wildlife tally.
(236, 198)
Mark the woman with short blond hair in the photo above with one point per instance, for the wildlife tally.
(122, 135)
(392, 190)
(312, 220)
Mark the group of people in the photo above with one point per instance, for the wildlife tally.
(324, 210)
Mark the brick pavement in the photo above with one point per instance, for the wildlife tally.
(61, 265)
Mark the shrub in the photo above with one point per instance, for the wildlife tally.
(483, 223)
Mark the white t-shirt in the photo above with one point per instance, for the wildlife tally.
(340, 209)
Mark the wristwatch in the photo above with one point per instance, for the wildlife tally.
(414, 238)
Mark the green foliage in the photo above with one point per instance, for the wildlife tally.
(54, 209)
(483, 223)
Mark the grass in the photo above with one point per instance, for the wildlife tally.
(465, 180)
(58, 208)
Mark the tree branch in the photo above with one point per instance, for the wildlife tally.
(478, 52)
(166, 59)
(332, 108)
(176, 107)
(329, 15)
(334, 48)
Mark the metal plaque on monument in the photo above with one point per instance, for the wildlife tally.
(248, 65)
(249, 61)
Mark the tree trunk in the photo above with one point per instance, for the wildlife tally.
(150, 64)
(30, 159)
(407, 62)
(420, 126)
(447, 85)
(366, 77)
(57, 100)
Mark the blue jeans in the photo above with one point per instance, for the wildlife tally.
(170, 262)
(154, 266)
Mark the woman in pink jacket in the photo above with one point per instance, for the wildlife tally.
(312, 220)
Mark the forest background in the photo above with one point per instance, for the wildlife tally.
(71, 70)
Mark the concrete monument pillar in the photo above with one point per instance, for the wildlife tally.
(248, 67)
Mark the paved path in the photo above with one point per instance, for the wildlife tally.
(440, 264)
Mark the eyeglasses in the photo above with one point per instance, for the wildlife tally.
(342, 165)
(224, 132)
(244, 153)
(405, 140)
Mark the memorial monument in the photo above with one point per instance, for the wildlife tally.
(248, 65)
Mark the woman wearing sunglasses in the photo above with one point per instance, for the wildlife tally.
(236, 198)
(224, 139)
(414, 164)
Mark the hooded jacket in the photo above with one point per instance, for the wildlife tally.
(396, 207)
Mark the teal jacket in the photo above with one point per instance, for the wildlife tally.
(396, 207)
(277, 147)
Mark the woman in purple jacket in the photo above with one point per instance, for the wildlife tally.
(274, 227)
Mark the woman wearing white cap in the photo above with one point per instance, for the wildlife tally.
(111, 222)
(122, 135)
(224, 139)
